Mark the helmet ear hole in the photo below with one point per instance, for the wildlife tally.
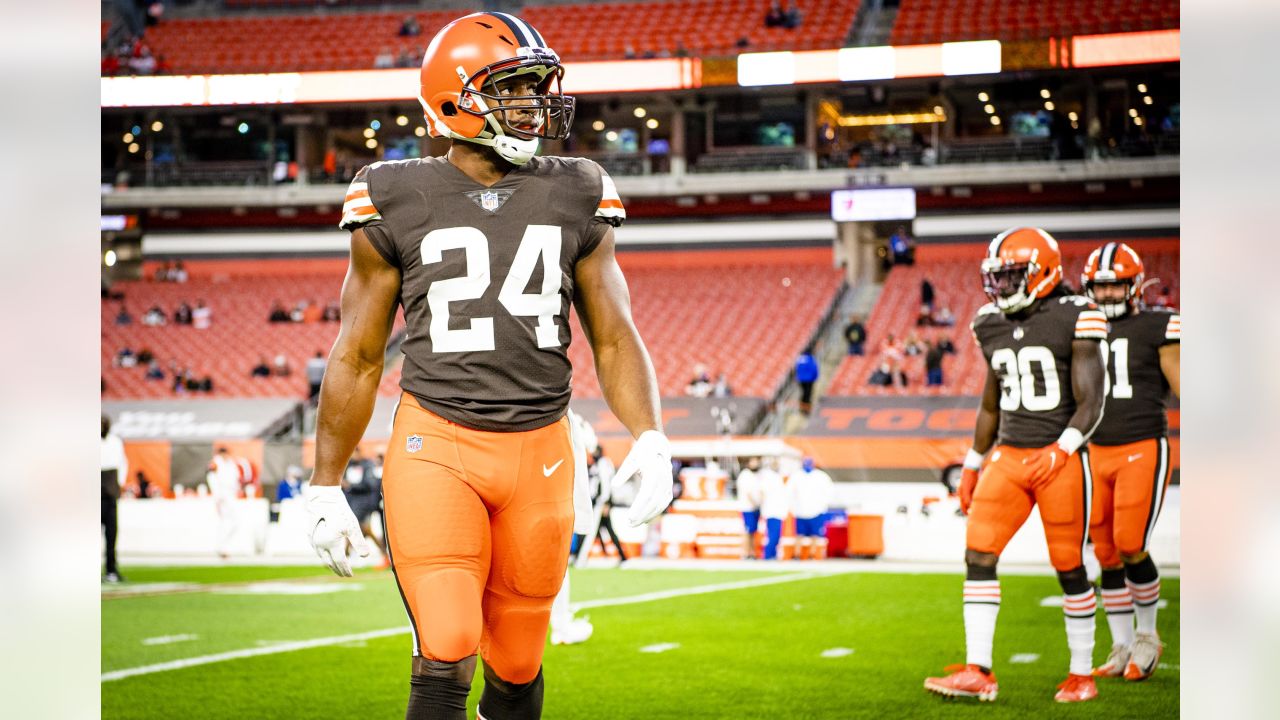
(448, 108)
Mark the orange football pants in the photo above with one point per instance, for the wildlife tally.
(1129, 486)
(1005, 496)
(478, 525)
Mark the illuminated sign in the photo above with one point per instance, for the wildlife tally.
(582, 78)
(1126, 48)
(873, 204)
(869, 63)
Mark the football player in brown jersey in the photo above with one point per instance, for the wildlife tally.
(1129, 454)
(1043, 398)
(485, 248)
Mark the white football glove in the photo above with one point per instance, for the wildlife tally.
(333, 527)
(651, 458)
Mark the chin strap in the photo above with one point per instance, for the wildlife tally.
(513, 150)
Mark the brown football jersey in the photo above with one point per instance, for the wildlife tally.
(1031, 357)
(487, 279)
(1137, 391)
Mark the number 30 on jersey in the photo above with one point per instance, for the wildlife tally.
(539, 242)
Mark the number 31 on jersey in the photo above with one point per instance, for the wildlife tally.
(539, 242)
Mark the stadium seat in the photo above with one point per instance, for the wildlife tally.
(930, 21)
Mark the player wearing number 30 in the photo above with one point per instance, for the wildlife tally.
(485, 248)
(1129, 454)
(1043, 397)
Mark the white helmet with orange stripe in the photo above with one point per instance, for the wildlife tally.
(1022, 265)
(1112, 278)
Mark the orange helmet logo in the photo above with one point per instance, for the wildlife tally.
(461, 89)
(1114, 264)
(1022, 265)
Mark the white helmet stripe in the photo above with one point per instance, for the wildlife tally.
(1108, 257)
(993, 250)
(519, 26)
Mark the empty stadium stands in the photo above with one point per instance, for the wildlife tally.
(745, 312)
(929, 21)
(351, 41)
(953, 271)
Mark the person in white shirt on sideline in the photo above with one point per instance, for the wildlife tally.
(115, 468)
(775, 504)
(810, 500)
(749, 495)
(224, 486)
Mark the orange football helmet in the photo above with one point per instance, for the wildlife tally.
(1118, 264)
(1022, 265)
(460, 85)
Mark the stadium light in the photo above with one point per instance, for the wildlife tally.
(1044, 93)
(611, 136)
(109, 259)
(597, 125)
(995, 119)
(137, 130)
(1133, 112)
(1146, 100)
(640, 112)
(651, 123)
(369, 132)
(983, 97)
(420, 131)
(157, 126)
(371, 143)
(1048, 105)
(1142, 87)
(901, 119)
(128, 137)
(1137, 121)
(401, 120)
(989, 108)
(243, 128)
(937, 110)
(133, 147)
(375, 124)
(1072, 116)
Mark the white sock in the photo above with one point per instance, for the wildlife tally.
(561, 615)
(1145, 597)
(981, 606)
(1079, 611)
(1119, 606)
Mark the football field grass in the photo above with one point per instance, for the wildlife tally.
(261, 642)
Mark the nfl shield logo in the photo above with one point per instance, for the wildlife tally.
(489, 201)
(1018, 333)
(413, 444)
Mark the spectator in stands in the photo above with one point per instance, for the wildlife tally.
(315, 374)
(162, 273)
(775, 17)
(700, 384)
(902, 247)
(405, 58)
(1164, 299)
(155, 317)
(179, 272)
(855, 333)
(313, 312)
(924, 317)
(721, 389)
(155, 11)
(332, 312)
(881, 376)
(409, 27)
(943, 317)
(125, 357)
(280, 368)
(262, 369)
(933, 364)
(153, 371)
(202, 316)
(791, 18)
(145, 356)
(182, 316)
(143, 63)
(681, 51)
(806, 376)
(913, 345)
(384, 58)
(926, 294)
(123, 317)
(142, 488)
(206, 384)
(115, 468)
(278, 313)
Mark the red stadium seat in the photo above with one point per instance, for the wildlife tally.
(928, 21)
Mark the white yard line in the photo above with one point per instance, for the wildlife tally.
(387, 632)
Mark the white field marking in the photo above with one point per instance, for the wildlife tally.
(836, 566)
(1056, 601)
(285, 588)
(1024, 658)
(249, 652)
(659, 647)
(387, 632)
(1167, 666)
(836, 652)
(168, 639)
(695, 590)
(147, 588)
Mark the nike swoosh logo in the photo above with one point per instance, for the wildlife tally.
(546, 471)
(1134, 457)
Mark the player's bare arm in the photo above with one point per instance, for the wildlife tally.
(1088, 378)
(1171, 365)
(622, 362)
(369, 296)
(626, 376)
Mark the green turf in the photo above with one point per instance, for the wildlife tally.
(218, 573)
(742, 653)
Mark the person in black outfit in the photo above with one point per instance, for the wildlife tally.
(114, 465)
(855, 333)
(596, 483)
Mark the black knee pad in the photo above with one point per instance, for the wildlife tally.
(502, 700)
(980, 566)
(1113, 579)
(1142, 572)
(438, 690)
(1075, 581)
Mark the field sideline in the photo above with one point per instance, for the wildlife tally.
(269, 642)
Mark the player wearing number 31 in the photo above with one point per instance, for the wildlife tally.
(1129, 454)
(485, 248)
(1043, 398)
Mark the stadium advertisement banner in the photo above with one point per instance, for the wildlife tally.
(195, 419)
(873, 204)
